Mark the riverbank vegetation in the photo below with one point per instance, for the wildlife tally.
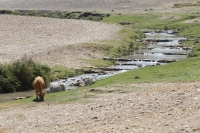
(19, 76)
(94, 16)
(182, 71)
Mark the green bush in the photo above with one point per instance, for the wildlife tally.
(8, 82)
(19, 75)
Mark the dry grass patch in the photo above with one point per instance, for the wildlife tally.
(196, 20)
(179, 5)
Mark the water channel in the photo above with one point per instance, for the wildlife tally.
(162, 48)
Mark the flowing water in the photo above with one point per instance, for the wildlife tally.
(11, 96)
(163, 47)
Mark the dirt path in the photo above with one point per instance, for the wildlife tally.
(155, 107)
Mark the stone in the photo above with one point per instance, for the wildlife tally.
(17, 98)
(56, 88)
(80, 83)
(88, 81)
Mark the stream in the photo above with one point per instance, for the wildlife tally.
(162, 47)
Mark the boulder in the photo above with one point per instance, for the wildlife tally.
(80, 83)
(17, 98)
(83, 82)
(56, 88)
(88, 81)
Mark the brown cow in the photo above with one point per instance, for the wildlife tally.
(38, 85)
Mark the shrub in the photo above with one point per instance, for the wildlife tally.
(8, 82)
(19, 75)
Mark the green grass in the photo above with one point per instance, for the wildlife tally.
(183, 71)
(116, 47)
(77, 95)
(58, 72)
(100, 63)
(122, 45)
(175, 21)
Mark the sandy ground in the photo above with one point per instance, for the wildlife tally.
(136, 108)
(50, 41)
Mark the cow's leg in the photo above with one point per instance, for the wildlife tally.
(36, 94)
(41, 95)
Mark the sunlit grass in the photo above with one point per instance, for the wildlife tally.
(174, 21)
(183, 71)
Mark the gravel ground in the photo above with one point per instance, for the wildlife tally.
(154, 107)
(93, 5)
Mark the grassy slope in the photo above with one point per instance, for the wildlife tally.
(175, 21)
(183, 71)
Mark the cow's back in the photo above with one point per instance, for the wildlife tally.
(38, 84)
